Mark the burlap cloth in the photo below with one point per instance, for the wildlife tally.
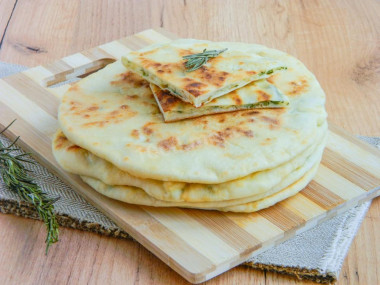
(317, 254)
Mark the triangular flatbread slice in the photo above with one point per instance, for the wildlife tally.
(258, 94)
(164, 66)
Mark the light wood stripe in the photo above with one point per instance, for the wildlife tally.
(321, 196)
(26, 109)
(39, 74)
(302, 207)
(355, 153)
(349, 170)
(35, 93)
(226, 230)
(256, 225)
(194, 234)
(282, 217)
(339, 132)
(337, 184)
(77, 60)
(115, 48)
(152, 36)
(32, 140)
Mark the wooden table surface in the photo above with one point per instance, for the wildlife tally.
(338, 40)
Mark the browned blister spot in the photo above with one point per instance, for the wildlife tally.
(250, 113)
(271, 79)
(101, 116)
(93, 108)
(60, 140)
(267, 141)
(167, 101)
(236, 98)
(222, 118)
(211, 76)
(220, 137)
(74, 148)
(195, 88)
(262, 96)
(135, 133)
(251, 72)
(163, 68)
(146, 128)
(168, 143)
(184, 52)
(130, 78)
(145, 53)
(75, 87)
(270, 120)
(99, 124)
(191, 146)
(298, 86)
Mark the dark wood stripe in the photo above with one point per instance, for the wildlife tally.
(226, 230)
(321, 196)
(95, 54)
(282, 217)
(350, 171)
(97, 65)
(34, 92)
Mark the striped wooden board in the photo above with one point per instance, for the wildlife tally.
(197, 244)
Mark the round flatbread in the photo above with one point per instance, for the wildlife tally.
(77, 160)
(113, 114)
(135, 195)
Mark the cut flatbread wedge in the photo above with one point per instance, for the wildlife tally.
(164, 66)
(257, 94)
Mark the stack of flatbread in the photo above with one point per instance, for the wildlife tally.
(240, 133)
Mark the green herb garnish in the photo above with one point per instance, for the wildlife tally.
(15, 177)
(195, 61)
(270, 71)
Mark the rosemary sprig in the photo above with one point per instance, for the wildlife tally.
(195, 61)
(15, 176)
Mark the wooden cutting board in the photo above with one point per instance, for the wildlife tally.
(197, 244)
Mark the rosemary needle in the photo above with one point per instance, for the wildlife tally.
(15, 177)
(195, 61)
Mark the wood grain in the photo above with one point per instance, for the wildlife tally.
(6, 8)
(337, 40)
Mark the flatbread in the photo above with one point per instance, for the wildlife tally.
(164, 66)
(134, 195)
(113, 114)
(257, 94)
(77, 160)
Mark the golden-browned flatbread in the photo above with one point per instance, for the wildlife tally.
(113, 114)
(164, 66)
(255, 95)
(134, 195)
(77, 160)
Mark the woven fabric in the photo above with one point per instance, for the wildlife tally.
(317, 254)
